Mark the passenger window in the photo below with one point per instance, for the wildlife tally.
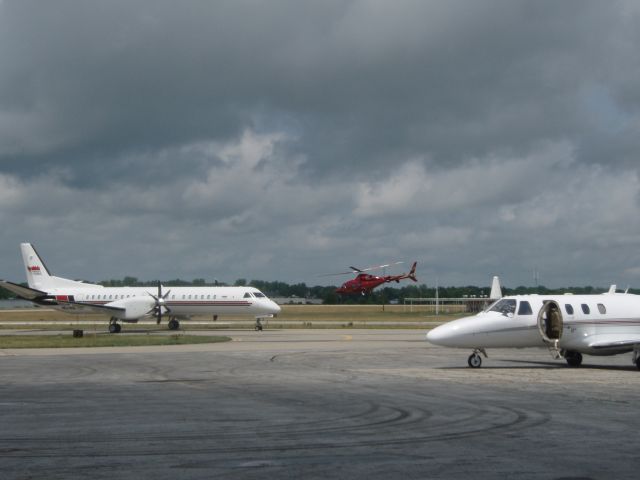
(602, 309)
(585, 309)
(525, 308)
(568, 308)
(208, 297)
(173, 297)
(201, 297)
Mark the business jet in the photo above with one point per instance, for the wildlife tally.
(130, 304)
(568, 325)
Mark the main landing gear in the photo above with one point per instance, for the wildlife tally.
(475, 360)
(574, 359)
(114, 326)
(174, 324)
(258, 326)
(636, 356)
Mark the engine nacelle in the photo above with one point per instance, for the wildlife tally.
(134, 308)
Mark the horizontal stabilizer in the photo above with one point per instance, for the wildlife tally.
(22, 291)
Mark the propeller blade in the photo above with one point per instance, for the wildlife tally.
(159, 304)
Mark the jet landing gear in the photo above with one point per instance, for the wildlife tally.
(174, 324)
(114, 326)
(259, 321)
(475, 360)
(636, 356)
(574, 359)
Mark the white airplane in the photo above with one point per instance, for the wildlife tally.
(130, 304)
(569, 325)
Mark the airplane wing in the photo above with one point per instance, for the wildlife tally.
(23, 292)
(611, 342)
(105, 309)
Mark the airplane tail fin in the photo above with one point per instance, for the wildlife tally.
(38, 275)
(412, 272)
(496, 290)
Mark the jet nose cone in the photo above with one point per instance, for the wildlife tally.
(275, 308)
(438, 335)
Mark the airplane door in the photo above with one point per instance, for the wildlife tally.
(550, 322)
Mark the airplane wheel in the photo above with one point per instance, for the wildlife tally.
(114, 328)
(474, 361)
(118, 328)
(638, 363)
(258, 328)
(574, 359)
(174, 325)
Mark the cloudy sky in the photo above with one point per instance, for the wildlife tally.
(284, 139)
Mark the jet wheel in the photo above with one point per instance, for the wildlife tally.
(258, 328)
(638, 363)
(174, 324)
(474, 361)
(574, 359)
(114, 328)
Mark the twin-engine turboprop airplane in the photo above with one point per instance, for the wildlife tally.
(569, 325)
(130, 304)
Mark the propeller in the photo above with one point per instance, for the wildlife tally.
(360, 270)
(160, 307)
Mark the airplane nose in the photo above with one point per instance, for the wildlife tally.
(274, 307)
(439, 335)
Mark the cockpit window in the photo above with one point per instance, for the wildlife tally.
(525, 308)
(258, 294)
(247, 295)
(504, 306)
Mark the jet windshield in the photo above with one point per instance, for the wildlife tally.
(504, 306)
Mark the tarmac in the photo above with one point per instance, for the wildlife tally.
(370, 404)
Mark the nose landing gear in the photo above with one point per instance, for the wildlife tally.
(475, 360)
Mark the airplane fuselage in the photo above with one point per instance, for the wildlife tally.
(182, 301)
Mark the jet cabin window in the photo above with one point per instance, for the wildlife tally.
(602, 309)
(525, 308)
(568, 308)
(505, 306)
(585, 309)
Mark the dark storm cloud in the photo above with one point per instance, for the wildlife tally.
(355, 131)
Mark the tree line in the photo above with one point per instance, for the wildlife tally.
(328, 295)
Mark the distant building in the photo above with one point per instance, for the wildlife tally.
(296, 301)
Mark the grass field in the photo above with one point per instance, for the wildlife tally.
(102, 340)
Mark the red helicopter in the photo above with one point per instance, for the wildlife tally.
(364, 282)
